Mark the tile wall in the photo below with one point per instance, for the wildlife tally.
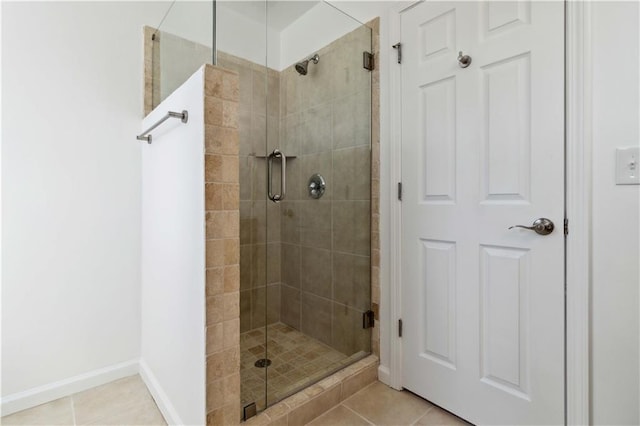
(222, 218)
(147, 37)
(311, 265)
(325, 123)
(260, 245)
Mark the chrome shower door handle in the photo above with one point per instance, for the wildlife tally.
(283, 175)
(273, 197)
(542, 226)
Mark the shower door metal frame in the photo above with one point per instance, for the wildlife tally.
(578, 155)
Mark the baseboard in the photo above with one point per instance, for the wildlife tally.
(384, 375)
(162, 401)
(52, 391)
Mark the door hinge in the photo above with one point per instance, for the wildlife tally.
(367, 61)
(566, 226)
(400, 191)
(249, 410)
(368, 319)
(398, 47)
(400, 328)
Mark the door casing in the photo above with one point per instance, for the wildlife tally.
(577, 208)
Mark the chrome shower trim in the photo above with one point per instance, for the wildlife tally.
(302, 66)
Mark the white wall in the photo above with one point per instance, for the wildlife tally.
(173, 257)
(616, 223)
(72, 95)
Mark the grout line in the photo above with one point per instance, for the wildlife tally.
(423, 414)
(361, 390)
(358, 414)
(73, 410)
(431, 406)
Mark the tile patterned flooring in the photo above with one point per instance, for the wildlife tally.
(297, 360)
(127, 402)
(378, 405)
(123, 402)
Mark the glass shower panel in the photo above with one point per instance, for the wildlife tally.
(242, 47)
(320, 119)
(179, 45)
(304, 120)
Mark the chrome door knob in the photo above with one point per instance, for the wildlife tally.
(542, 226)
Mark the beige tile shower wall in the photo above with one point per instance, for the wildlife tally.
(178, 58)
(148, 68)
(156, 97)
(326, 254)
(259, 128)
(222, 216)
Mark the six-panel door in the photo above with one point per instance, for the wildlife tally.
(482, 150)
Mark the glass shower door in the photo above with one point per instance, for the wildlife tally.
(320, 110)
(305, 191)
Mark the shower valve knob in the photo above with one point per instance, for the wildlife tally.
(316, 186)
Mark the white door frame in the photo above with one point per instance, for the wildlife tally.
(577, 207)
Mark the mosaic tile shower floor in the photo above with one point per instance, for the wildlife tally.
(297, 361)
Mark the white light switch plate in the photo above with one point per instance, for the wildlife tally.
(628, 166)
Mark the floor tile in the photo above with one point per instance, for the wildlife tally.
(58, 412)
(296, 361)
(438, 416)
(339, 416)
(383, 405)
(105, 403)
(145, 414)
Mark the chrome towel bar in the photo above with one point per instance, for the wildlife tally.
(183, 116)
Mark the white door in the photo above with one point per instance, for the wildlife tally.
(482, 150)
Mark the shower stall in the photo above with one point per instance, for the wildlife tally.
(304, 156)
(305, 200)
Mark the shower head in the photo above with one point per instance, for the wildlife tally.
(301, 67)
